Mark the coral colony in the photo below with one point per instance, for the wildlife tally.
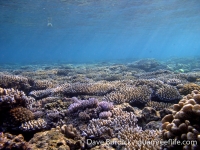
(142, 105)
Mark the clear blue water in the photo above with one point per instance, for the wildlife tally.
(97, 30)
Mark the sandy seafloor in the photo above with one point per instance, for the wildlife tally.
(104, 105)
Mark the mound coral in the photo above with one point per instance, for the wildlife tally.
(54, 140)
(158, 105)
(20, 115)
(9, 141)
(188, 88)
(184, 123)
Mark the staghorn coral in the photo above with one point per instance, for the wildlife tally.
(158, 105)
(20, 115)
(168, 93)
(130, 94)
(33, 125)
(183, 124)
(12, 142)
(188, 88)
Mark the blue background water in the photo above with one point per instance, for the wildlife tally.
(97, 30)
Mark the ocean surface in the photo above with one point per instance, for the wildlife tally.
(35, 31)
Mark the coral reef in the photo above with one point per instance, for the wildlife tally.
(168, 93)
(130, 94)
(101, 128)
(42, 84)
(12, 142)
(120, 102)
(33, 125)
(20, 115)
(158, 105)
(145, 64)
(91, 108)
(98, 88)
(53, 139)
(188, 88)
(183, 124)
(136, 138)
(10, 98)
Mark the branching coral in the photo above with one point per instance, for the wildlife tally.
(108, 128)
(33, 125)
(10, 98)
(91, 108)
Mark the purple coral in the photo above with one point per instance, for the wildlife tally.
(105, 114)
(82, 104)
(106, 106)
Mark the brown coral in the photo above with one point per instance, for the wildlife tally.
(183, 124)
(188, 88)
(9, 142)
(20, 115)
(54, 140)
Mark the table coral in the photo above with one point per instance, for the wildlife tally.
(130, 94)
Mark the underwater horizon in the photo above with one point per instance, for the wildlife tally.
(89, 31)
